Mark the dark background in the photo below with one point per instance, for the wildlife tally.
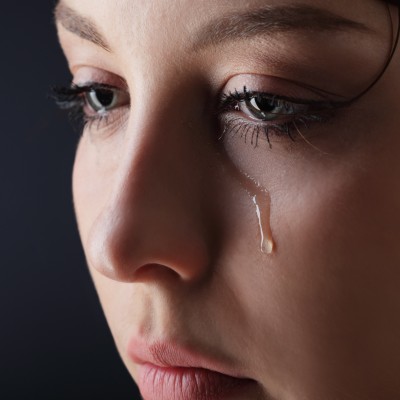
(54, 341)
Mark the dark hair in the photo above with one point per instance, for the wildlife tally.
(389, 60)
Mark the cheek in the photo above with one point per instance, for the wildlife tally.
(89, 194)
(340, 229)
(337, 272)
(91, 183)
(82, 188)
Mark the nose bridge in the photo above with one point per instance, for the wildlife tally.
(155, 215)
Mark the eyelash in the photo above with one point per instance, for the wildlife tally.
(230, 111)
(296, 113)
(74, 99)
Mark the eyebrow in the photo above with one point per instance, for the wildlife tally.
(272, 20)
(268, 21)
(81, 26)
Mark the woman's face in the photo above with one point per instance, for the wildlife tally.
(212, 125)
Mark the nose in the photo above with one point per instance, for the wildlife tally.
(156, 219)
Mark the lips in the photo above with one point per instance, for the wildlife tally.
(169, 372)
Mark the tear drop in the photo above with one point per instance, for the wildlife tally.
(262, 203)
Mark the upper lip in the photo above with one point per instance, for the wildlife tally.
(169, 354)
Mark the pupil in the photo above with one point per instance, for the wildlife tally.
(104, 97)
(265, 105)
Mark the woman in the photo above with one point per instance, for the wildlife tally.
(237, 192)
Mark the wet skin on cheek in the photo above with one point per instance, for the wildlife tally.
(256, 259)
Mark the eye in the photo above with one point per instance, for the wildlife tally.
(96, 106)
(254, 115)
(263, 107)
(104, 99)
(101, 99)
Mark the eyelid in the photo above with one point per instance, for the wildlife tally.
(284, 88)
(86, 75)
(93, 85)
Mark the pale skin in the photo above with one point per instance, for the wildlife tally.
(170, 233)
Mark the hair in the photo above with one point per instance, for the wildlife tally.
(395, 45)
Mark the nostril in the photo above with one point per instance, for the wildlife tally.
(118, 262)
(153, 272)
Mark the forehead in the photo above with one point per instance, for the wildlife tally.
(175, 21)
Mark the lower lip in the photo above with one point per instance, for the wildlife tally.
(159, 383)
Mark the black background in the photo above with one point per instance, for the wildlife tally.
(54, 341)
